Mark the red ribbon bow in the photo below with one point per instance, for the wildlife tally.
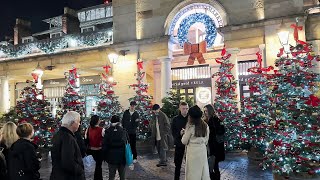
(195, 51)
(140, 65)
(296, 28)
(259, 69)
(106, 68)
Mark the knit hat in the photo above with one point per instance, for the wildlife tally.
(195, 112)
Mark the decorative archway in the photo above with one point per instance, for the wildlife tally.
(187, 22)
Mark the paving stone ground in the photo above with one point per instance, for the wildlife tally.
(235, 167)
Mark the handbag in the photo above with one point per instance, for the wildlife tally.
(129, 156)
(211, 161)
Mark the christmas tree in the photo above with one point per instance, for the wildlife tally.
(225, 101)
(295, 147)
(72, 101)
(108, 103)
(143, 101)
(171, 103)
(256, 109)
(34, 109)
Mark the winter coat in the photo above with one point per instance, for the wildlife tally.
(81, 143)
(66, 157)
(3, 161)
(197, 167)
(129, 121)
(23, 161)
(164, 127)
(215, 148)
(178, 123)
(113, 145)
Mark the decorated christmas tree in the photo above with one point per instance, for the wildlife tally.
(34, 109)
(295, 147)
(72, 101)
(108, 103)
(143, 101)
(257, 109)
(171, 103)
(226, 101)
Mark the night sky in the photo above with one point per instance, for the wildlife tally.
(35, 11)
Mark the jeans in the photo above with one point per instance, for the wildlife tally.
(113, 169)
(97, 156)
(162, 153)
(133, 142)
(178, 158)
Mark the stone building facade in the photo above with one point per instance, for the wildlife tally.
(149, 29)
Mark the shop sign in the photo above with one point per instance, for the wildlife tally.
(90, 80)
(54, 83)
(179, 84)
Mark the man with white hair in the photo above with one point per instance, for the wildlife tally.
(66, 156)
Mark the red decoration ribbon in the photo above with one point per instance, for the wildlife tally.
(259, 69)
(296, 28)
(195, 51)
(106, 68)
(140, 65)
(314, 100)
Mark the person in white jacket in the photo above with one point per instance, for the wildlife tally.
(195, 137)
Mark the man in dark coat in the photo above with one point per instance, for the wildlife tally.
(66, 155)
(130, 123)
(160, 127)
(178, 123)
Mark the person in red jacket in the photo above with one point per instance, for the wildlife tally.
(95, 135)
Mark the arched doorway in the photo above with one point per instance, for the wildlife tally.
(194, 22)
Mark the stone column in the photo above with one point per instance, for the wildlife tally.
(5, 94)
(165, 71)
(234, 60)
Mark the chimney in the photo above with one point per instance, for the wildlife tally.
(21, 29)
(70, 21)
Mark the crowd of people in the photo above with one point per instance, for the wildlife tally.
(197, 136)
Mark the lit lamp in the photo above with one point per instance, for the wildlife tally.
(37, 74)
(113, 57)
(283, 35)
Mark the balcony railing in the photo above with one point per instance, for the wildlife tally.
(53, 45)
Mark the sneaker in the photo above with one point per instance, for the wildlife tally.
(161, 164)
(135, 161)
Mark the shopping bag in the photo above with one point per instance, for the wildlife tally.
(129, 156)
(89, 162)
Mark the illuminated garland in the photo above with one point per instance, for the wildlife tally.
(211, 31)
(55, 45)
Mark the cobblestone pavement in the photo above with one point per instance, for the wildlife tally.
(235, 167)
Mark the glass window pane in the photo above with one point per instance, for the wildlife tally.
(182, 91)
(190, 91)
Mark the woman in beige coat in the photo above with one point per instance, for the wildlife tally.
(195, 137)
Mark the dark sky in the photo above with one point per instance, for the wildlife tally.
(35, 11)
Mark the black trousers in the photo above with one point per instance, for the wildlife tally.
(178, 158)
(133, 142)
(97, 156)
(113, 170)
(216, 174)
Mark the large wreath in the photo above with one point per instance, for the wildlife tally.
(211, 30)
